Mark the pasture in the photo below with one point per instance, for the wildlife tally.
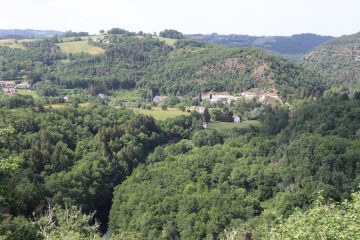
(168, 41)
(78, 47)
(160, 114)
(11, 43)
(27, 92)
(223, 126)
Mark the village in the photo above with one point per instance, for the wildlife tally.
(223, 107)
(9, 87)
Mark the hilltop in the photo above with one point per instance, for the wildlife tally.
(338, 61)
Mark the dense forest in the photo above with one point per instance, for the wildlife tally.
(193, 189)
(338, 61)
(106, 170)
(134, 61)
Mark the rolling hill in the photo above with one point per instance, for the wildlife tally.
(183, 67)
(293, 46)
(338, 61)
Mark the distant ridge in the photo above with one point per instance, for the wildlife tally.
(28, 33)
(287, 45)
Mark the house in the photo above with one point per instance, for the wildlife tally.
(11, 91)
(66, 98)
(159, 99)
(23, 85)
(237, 119)
(101, 95)
(249, 95)
(7, 84)
(198, 109)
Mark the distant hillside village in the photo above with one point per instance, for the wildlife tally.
(227, 98)
(9, 87)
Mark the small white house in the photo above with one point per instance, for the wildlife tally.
(237, 119)
(23, 85)
(101, 95)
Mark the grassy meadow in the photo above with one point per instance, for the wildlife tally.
(223, 126)
(80, 47)
(160, 114)
(11, 43)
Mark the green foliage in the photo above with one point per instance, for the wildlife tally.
(249, 180)
(17, 101)
(68, 223)
(336, 61)
(170, 33)
(207, 138)
(321, 221)
(19, 228)
(11, 164)
(223, 115)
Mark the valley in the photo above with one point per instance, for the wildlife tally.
(123, 135)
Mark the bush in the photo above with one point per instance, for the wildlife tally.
(207, 138)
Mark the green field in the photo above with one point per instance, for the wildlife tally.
(80, 47)
(168, 41)
(64, 105)
(159, 114)
(222, 126)
(11, 43)
(27, 92)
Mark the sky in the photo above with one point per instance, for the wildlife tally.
(251, 17)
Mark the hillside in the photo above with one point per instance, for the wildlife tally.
(187, 192)
(182, 67)
(290, 46)
(338, 61)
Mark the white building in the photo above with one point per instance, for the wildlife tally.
(23, 85)
(237, 119)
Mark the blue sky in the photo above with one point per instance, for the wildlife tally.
(253, 17)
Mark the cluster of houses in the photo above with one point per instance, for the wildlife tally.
(100, 40)
(226, 97)
(10, 86)
(201, 109)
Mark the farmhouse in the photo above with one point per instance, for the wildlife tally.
(249, 95)
(198, 109)
(11, 91)
(23, 85)
(224, 97)
(159, 99)
(7, 84)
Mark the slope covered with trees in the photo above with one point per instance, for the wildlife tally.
(338, 61)
(188, 192)
(135, 61)
(73, 157)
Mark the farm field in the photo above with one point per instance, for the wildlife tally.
(159, 114)
(63, 105)
(222, 126)
(11, 43)
(27, 92)
(168, 41)
(80, 47)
